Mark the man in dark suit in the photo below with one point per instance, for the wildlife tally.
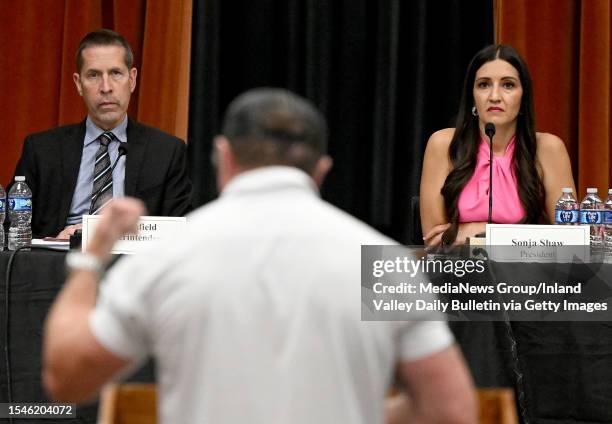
(70, 168)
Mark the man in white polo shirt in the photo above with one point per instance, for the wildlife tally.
(254, 315)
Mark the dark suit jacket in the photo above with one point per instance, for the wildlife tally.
(155, 172)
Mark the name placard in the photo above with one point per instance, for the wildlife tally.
(151, 229)
(537, 243)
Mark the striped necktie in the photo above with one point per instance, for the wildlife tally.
(102, 169)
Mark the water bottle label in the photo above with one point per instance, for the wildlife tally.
(20, 204)
(608, 217)
(591, 217)
(564, 216)
(2, 205)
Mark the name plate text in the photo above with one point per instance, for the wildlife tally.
(151, 229)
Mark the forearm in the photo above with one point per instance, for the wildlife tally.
(465, 230)
(440, 388)
(68, 316)
(399, 409)
(68, 320)
(75, 364)
(469, 229)
(66, 327)
(78, 296)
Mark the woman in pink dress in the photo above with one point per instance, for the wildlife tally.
(529, 168)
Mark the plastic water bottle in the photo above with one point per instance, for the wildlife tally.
(591, 213)
(608, 222)
(20, 214)
(566, 209)
(2, 215)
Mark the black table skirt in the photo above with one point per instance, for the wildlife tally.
(37, 277)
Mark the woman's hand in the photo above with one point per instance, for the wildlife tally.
(469, 229)
(466, 229)
(434, 236)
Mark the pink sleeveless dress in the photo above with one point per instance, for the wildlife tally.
(473, 203)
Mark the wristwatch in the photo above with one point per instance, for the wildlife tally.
(84, 261)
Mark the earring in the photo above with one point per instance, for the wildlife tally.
(474, 113)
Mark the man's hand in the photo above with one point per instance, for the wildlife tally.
(69, 231)
(119, 217)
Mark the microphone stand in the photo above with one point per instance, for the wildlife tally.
(490, 134)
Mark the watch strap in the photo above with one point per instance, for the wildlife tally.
(84, 261)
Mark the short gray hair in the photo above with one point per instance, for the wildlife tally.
(273, 126)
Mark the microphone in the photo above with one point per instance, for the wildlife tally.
(490, 132)
(490, 129)
(123, 147)
(123, 151)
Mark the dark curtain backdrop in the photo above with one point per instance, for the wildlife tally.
(385, 73)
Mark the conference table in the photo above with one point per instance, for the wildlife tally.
(565, 367)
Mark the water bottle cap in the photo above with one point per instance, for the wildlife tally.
(19, 178)
(567, 190)
(591, 190)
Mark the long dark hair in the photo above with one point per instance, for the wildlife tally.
(463, 148)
